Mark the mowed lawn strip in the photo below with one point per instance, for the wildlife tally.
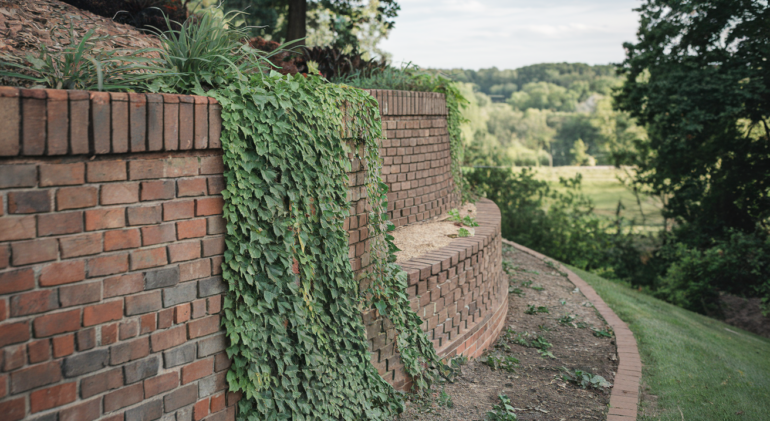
(700, 366)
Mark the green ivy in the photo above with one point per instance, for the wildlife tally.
(293, 314)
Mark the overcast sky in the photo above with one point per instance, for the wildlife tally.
(475, 34)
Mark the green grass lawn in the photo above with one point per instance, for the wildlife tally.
(702, 367)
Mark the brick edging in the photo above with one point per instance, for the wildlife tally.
(624, 397)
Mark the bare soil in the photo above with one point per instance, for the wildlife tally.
(535, 386)
(414, 240)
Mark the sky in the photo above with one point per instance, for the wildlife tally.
(508, 34)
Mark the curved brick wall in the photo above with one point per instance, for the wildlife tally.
(111, 242)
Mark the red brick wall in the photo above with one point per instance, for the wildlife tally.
(111, 243)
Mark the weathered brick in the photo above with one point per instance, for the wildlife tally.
(165, 318)
(178, 356)
(34, 302)
(79, 108)
(194, 270)
(123, 284)
(197, 370)
(140, 370)
(103, 312)
(209, 206)
(62, 174)
(109, 334)
(120, 193)
(129, 350)
(212, 384)
(5, 257)
(39, 351)
(17, 228)
(78, 294)
(10, 136)
(63, 345)
(179, 294)
(53, 324)
(181, 397)
(137, 121)
(101, 121)
(154, 122)
(183, 209)
(191, 229)
(221, 362)
(81, 245)
(129, 329)
(157, 234)
(13, 357)
(168, 338)
(145, 412)
(103, 171)
(102, 382)
(17, 280)
(145, 169)
(75, 197)
(18, 176)
(124, 397)
(60, 273)
(180, 252)
(161, 278)
(147, 323)
(198, 308)
(86, 339)
(143, 303)
(212, 165)
(51, 397)
(215, 304)
(211, 286)
(35, 251)
(186, 122)
(191, 187)
(212, 345)
(203, 326)
(144, 215)
(107, 265)
(13, 409)
(216, 184)
(121, 239)
(99, 219)
(35, 376)
(181, 167)
(159, 384)
(158, 190)
(85, 362)
(120, 127)
(148, 258)
(213, 246)
(200, 409)
(30, 201)
(86, 411)
(218, 402)
(57, 119)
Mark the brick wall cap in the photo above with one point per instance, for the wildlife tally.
(213, 101)
(119, 96)
(56, 94)
(138, 98)
(33, 93)
(9, 92)
(200, 99)
(100, 97)
(78, 95)
(170, 98)
(154, 97)
(187, 99)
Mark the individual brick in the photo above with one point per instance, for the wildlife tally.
(99, 219)
(124, 397)
(35, 376)
(129, 329)
(203, 326)
(120, 127)
(5, 256)
(159, 384)
(183, 209)
(165, 318)
(62, 174)
(107, 265)
(215, 304)
(186, 122)
(100, 383)
(103, 171)
(215, 125)
(145, 412)
(56, 323)
(161, 278)
(212, 384)
(143, 169)
(147, 323)
(218, 402)
(137, 114)
(191, 229)
(86, 411)
(191, 187)
(86, 339)
(109, 334)
(13, 409)
(179, 355)
(221, 362)
(33, 125)
(39, 351)
(30, 201)
(10, 137)
(194, 270)
(209, 206)
(79, 108)
(182, 313)
(201, 133)
(180, 252)
(143, 303)
(213, 246)
(17, 228)
(198, 308)
(171, 122)
(103, 312)
(179, 294)
(76, 197)
(158, 190)
(157, 234)
(61, 273)
(34, 302)
(144, 215)
(154, 122)
(17, 280)
(59, 223)
(212, 345)
(63, 345)
(51, 397)
(212, 164)
(168, 339)
(181, 397)
(142, 369)
(123, 285)
(24, 175)
(85, 362)
(181, 167)
(120, 193)
(148, 258)
(211, 286)
(81, 245)
(13, 357)
(57, 119)
(34, 251)
(121, 239)
(216, 184)
(101, 119)
(201, 409)
(78, 294)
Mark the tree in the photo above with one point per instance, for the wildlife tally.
(288, 19)
(698, 78)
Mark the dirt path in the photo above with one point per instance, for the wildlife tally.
(534, 384)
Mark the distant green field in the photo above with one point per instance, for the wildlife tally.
(601, 184)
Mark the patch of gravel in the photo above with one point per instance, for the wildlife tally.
(417, 239)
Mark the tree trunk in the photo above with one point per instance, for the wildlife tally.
(297, 16)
